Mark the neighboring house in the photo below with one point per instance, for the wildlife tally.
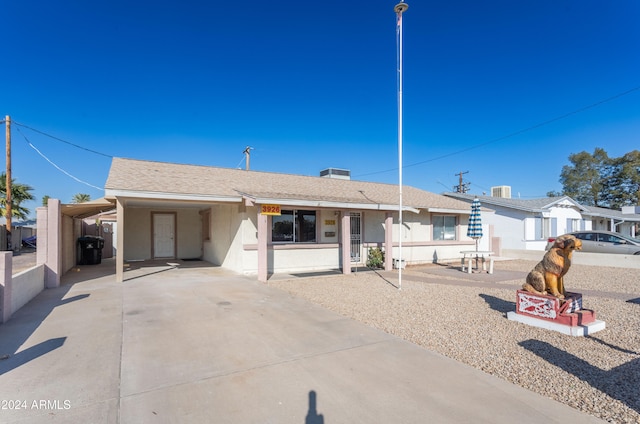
(622, 222)
(263, 223)
(102, 225)
(527, 224)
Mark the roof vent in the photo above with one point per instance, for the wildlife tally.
(341, 174)
(501, 191)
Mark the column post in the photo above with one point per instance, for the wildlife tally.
(262, 247)
(120, 241)
(388, 241)
(53, 264)
(6, 264)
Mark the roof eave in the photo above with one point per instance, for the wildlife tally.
(331, 204)
(152, 195)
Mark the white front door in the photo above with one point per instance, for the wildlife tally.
(164, 227)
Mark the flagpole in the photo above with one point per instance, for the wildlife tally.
(399, 9)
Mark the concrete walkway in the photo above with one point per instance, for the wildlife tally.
(194, 344)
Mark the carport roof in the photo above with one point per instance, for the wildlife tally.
(87, 209)
(157, 180)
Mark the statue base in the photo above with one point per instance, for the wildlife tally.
(565, 316)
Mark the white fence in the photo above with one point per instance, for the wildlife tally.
(17, 290)
(26, 285)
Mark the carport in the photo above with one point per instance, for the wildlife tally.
(162, 227)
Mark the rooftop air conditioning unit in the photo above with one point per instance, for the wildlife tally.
(342, 174)
(631, 210)
(501, 191)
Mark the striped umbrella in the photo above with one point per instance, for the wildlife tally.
(474, 230)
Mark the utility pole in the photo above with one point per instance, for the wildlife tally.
(247, 152)
(8, 198)
(461, 187)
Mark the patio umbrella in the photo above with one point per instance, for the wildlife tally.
(474, 230)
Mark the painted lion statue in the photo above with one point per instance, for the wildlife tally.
(547, 277)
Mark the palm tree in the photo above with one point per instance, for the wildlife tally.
(45, 200)
(80, 198)
(19, 193)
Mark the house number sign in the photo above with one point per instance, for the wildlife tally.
(270, 209)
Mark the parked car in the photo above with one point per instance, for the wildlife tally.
(604, 242)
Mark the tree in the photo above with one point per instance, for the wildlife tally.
(45, 200)
(598, 180)
(80, 198)
(587, 178)
(623, 188)
(19, 193)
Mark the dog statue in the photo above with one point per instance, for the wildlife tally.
(547, 277)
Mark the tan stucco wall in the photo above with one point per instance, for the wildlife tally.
(189, 233)
(225, 245)
(138, 233)
(373, 226)
(69, 240)
(328, 222)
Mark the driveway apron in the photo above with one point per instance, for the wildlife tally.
(192, 343)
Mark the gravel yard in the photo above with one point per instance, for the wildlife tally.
(463, 317)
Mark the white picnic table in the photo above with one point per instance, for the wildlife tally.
(469, 255)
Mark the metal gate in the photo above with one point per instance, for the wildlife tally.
(356, 237)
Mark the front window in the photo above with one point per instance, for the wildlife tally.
(546, 228)
(294, 226)
(574, 225)
(444, 227)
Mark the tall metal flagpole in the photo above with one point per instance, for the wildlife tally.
(399, 9)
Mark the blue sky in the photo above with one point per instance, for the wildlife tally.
(313, 84)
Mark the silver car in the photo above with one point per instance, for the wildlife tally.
(605, 242)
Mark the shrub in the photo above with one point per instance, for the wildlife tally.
(375, 259)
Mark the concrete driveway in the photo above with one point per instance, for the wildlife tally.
(192, 343)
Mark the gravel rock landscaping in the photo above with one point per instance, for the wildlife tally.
(463, 316)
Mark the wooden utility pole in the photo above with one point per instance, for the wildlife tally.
(461, 187)
(8, 198)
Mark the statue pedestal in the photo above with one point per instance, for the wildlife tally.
(566, 316)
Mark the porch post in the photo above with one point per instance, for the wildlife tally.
(262, 247)
(43, 232)
(6, 263)
(346, 242)
(388, 241)
(53, 264)
(120, 241)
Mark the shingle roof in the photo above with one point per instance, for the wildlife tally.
(537, 205)
(611, 213)
(530, 205)
(171, 178)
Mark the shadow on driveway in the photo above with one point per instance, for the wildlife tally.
(17, 331)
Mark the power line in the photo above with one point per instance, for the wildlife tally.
(513, 134)
(61, 140)
(56, 166)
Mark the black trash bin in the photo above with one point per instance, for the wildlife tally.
(90, 250)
